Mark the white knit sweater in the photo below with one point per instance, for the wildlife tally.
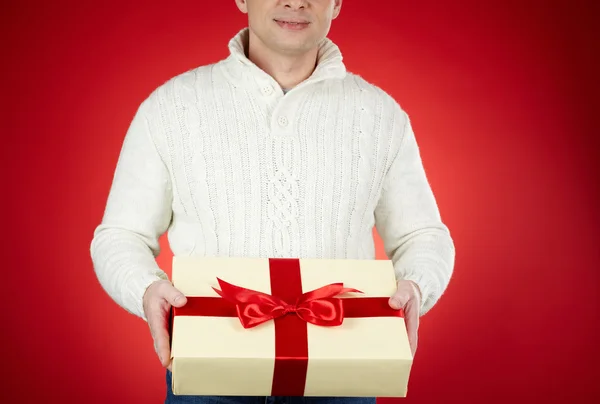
(220, 158)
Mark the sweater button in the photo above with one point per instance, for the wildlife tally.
(267, 90)
(283, 121)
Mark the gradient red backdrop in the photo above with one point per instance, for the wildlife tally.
(502, 95)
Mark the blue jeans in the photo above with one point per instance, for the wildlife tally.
(172, 399)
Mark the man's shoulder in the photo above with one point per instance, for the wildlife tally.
(370, 91)
(183, 82)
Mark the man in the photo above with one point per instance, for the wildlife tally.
(275, 151)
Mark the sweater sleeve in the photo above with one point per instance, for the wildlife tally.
(408, 220)
(125, 244)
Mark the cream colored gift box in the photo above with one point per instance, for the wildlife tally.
(214, 355)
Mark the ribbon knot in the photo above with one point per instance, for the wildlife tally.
(290, 308)
(319, 306)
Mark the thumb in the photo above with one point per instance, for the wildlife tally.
(174, 296)
(396, 303)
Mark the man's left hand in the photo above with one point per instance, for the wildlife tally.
(408, 297)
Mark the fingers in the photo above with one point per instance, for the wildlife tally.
(159, 301)
(407, 298)
(411, 317)
(157, 321)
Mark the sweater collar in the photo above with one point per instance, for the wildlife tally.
(240, 68)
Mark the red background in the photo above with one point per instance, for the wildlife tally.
(502, 95)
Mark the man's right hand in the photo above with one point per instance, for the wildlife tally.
(157, 301)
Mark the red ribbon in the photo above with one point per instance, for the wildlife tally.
(320, 307)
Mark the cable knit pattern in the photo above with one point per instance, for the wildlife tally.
(227, 164)
(282, 202)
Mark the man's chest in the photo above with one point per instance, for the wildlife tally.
(308, 151)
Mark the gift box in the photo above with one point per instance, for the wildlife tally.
(287, 327)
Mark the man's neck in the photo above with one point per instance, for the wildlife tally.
(288, 71)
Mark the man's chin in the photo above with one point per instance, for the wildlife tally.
(293, 48)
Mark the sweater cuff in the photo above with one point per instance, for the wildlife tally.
(133, 295)
(427, 286)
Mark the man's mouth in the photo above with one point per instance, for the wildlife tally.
(292, 24)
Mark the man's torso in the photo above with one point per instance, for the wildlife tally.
(258, 173)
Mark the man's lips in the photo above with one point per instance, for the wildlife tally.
(291, 21)
(292, 24)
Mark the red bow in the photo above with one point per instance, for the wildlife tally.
(319, 306)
